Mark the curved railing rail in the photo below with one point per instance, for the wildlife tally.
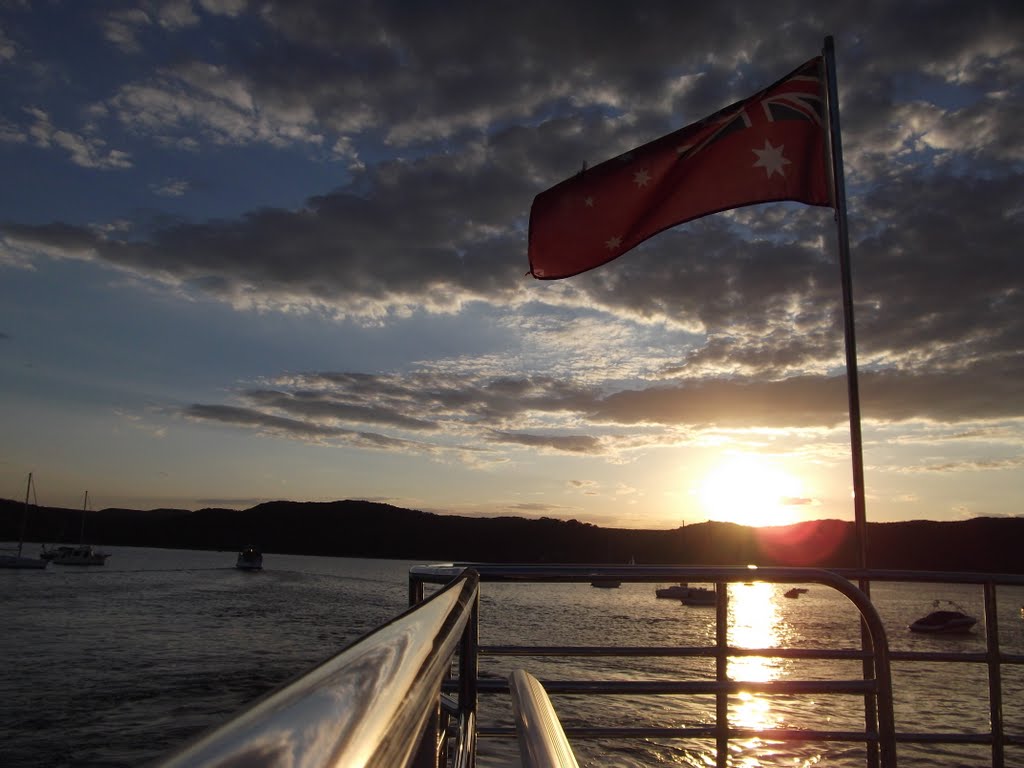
(875, 689)
(881, 730)
(377, 703)
(407, 693)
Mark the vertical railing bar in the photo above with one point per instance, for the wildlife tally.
(995, 684)
(722, 673)
(469, 660)
(415, 589)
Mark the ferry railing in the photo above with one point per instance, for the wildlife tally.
(994, 658)
(377, 703)
(880, 734)
(407, 693)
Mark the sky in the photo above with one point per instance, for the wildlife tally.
(278, 250)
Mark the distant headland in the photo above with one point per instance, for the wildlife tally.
(370, 529)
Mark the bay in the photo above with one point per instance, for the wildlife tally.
(114, 666)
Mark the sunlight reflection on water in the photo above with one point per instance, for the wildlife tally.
(754, 622)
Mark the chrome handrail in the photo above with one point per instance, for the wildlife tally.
(542, 741)
(370, 705)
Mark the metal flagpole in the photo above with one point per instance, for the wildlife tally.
(853, 390)
(839, 191)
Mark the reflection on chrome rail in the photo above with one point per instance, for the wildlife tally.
(408, 693)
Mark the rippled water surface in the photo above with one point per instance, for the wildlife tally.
(113, 666)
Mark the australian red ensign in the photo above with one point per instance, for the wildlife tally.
(766, 148)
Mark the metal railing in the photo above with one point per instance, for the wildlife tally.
(376, 703)
(408, 693)
(880, 734)
(876, 690)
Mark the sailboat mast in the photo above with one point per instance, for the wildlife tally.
(81, 532)
(24, 515)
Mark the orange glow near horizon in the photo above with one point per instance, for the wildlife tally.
(749, 490)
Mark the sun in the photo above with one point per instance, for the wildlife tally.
(749, 490)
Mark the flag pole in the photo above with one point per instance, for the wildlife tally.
(853, 390)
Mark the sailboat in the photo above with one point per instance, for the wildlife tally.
(18, 560)
(83, 554)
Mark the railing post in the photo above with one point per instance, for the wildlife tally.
(415, 590)
(995, 679)
(722, 674)
(469, 658)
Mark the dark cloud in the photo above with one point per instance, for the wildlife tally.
(563, 443)
(470, 413)
(489, 111)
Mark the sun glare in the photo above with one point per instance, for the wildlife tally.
(749, 490)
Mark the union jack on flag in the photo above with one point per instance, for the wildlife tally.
(766, 148)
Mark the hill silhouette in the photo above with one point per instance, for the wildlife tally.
(369, 529)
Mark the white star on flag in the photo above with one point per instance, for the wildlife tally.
(770, 158)
(641, 177)
(612, 243)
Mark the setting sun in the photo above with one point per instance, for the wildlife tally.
(749, 490)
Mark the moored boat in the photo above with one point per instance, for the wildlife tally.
(17, 559)
(700, 596)
(249, 559)
(79, 554)
(795, 592)
(82, 554)
(675, 591)
(945, 621)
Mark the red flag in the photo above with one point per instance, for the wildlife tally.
(766, 148)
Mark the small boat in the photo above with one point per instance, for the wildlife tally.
(700, 596)
(602, 583)
(249, 559)
(676, 591)
(17, 560)
(80, 554)
(945, 621)
(795, 592)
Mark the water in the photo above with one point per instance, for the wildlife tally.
(114, 666)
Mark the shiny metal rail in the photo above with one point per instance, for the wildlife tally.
(377, 703)
(880, 733)
(542, 741)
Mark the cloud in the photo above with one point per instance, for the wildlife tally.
(121, 27)
(171, 188)
(85, 151)
(475, 125)
(176, 14)
(472, 413)
(971, 465)
(8, 50)
(562, 443)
